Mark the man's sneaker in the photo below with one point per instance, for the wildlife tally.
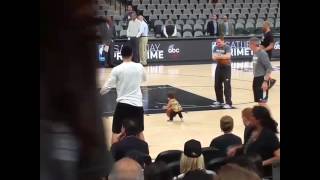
(169, 120)
(227, 106)
(271, 83)
(216, 104)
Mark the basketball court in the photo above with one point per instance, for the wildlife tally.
(194, 88)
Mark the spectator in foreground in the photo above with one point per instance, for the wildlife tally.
(228, 139)
(157, 171)
(126, 169)
(128, 140)
(192, 159)
(232, 172)
(262, 140)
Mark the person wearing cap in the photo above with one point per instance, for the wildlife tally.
(228, 139)
(192, 159)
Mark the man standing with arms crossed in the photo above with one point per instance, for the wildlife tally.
(127, 79)
(143, 40)
(261, 70)
(222, 54)
(267, 44)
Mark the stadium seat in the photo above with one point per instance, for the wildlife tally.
(216, 164)
(181, 6)
(196, 12)
(187, 34)
(207, 12)
(237, 6)
(184, 17)
(198, 34)
(197, 27)
(171, 6)
(161, 6)
(228, 6)
(155, 2)
(193, 17)
(248, 1)
(209, 6)
(200, 6)
(240, 1)
(157, 12)
(135, 2)
(210, 153)
(151, 7)
(187, 27)
(248, 6)
(218, 6)
(194, 2)
(202, 17)
(184, 2)
(141, 7)
(256, 1)
(174, 167)
(177, 11)
(145, 2)
(266, 1)
(165, 1)
(200, 21)
(169, 156)
(163, 17)
(180, 22)
(167, 12)
(123, 33)
(190, 6)
(174, 1)
(147, 12)
(239, 28)
(264, 5)
(250, 29)
(190, 21)
(203, 1)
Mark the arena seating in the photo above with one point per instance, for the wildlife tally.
(246, 15)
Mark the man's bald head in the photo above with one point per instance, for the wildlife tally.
(126, 169)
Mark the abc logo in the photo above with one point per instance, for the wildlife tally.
(171, 49)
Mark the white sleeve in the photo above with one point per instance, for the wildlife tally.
(165, 31)
(175, 31)
(140, 30)
(110, 83)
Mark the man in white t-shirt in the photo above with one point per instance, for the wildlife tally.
(127, 79)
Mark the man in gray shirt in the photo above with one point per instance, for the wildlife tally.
(221, 53)
(261, 70)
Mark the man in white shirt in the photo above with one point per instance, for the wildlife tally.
(143, 40)
(126, 78)
(132, 32)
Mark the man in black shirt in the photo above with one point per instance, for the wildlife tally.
(267, 44)
(228, 139)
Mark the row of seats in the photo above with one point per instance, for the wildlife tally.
(136, 2)
(201, 6)
(207, 11)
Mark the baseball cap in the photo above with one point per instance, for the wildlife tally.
(192, 148)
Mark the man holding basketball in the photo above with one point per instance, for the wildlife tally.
(221, 53)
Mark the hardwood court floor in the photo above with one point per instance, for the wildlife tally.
(201, 125)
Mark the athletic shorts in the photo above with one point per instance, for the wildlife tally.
(127, 111)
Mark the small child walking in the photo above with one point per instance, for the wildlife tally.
(173, 107)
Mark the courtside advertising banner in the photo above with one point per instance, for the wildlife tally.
(197, 49)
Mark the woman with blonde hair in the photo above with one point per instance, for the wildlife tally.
(192, 159)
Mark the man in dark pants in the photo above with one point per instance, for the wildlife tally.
(267, 44)
(132, 32)
(222, 54)
(261, 70)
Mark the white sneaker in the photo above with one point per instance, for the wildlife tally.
(227, 106)
(216, 103)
